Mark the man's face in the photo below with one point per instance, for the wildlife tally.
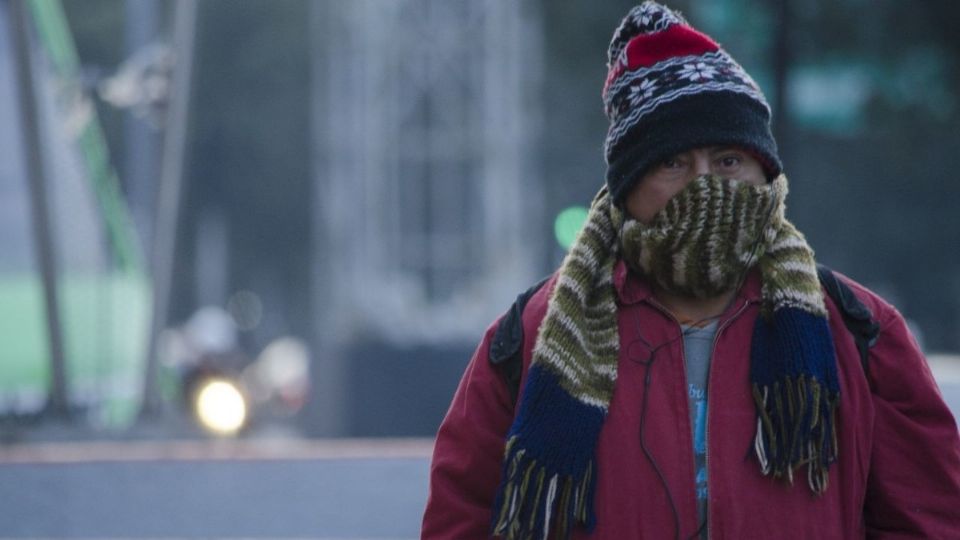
(663, 181)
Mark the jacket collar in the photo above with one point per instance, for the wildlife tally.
(632, 288)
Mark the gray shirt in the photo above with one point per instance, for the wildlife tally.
(698, 346)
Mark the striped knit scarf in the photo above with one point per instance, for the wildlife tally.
(700, 244)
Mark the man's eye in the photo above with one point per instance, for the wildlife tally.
(730, 161)
(670, 163)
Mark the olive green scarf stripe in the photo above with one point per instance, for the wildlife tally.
(771, 204)
(790, 274)
(705, 250)
(787, 236)
(555, 355)
(774, 299)
(696, 224)
(576, 269)
(789, 244)
(572, 281)
(600, 344)
(657, 256)
(800, 292)
(595, 235)
(576, 293)
(578, 339)
(564, 326)
(744, 238)
(746, 208)
(588, 381)
(795, 258)
(589, 389)
(713, 266)
(587, 344)
(591, 342)
(734, 219)
(791, 277)
(680, 208)
(711, 199)
(582, 263)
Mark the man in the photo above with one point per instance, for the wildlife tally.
(684, 374)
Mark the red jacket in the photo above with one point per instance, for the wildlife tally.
(897, 474)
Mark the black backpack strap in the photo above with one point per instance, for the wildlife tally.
(506, 350)
(856, 316)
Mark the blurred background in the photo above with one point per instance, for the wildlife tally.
(249, 246)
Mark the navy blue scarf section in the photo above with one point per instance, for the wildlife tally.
(793, 374)
(549, 477)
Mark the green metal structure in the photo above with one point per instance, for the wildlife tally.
(103, 291)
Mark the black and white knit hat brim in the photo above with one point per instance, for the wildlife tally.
(694, 121)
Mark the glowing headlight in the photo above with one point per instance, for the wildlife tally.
(220, 406)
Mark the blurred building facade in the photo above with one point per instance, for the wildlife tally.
(426, 193)
(424, 120)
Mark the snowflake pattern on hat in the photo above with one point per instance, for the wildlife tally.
(695, 72)
(642, 91)
(628, 101)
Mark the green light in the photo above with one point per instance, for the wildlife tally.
(568, 225)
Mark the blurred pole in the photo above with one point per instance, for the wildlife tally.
(325, 415)
(781, 67)
(141, 164)
(58, 399)
(171, 180)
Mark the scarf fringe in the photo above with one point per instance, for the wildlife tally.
(534, 499)
(796, 425)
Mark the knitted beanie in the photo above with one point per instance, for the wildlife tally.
(670, 89)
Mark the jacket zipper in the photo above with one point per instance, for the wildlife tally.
(706, 435)
(686, 397)
(683, 355)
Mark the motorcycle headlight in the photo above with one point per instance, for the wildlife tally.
(220, 406)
